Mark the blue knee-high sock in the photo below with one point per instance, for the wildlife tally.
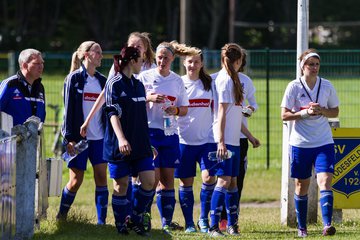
(206, 193)
(326, 203)
(166, 203)
(119, 205)
(67, 198)
(231, 201)
(301, 203)
(129, 196)
(101, 203)
(140, 201)
(217, 203)
(186, 198)
(149, 205)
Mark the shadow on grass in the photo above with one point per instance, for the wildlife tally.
(79, 229)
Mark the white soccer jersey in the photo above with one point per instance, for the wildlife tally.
(172, 86)
(249, 96)
(314, 131)
(225, 94)
(92, 91)
(195, 126)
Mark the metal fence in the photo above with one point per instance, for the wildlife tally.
(7, 187)
(25, 178)
(271, 70)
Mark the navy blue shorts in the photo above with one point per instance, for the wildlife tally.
(190, 155)
(230, 167)
(120, 169)
(303, 159)
(94, 153)
(167, 147)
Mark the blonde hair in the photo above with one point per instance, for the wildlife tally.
(79, 55)
(230, 53)
(149, 53)
(179, 49)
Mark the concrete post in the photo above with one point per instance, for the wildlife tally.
(11, 63)
(337, 213)
(26, 149)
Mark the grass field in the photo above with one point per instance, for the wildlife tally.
(257, 220)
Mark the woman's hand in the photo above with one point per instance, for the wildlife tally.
(172, 110)
(155, 97)
(255, 142)
(70, 148)
(314, 109)
(83, 129)
(124, 147)
(221, 151)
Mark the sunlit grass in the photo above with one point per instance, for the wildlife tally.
(261, 185)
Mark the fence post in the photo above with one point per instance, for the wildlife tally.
(267, 108)
(41, 189)
(11, 63)
(26, 149)
(337, 213)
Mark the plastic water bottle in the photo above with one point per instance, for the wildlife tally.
(213, 156)
(79, 147)
(170, 123)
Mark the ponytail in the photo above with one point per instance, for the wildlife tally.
(230, 53)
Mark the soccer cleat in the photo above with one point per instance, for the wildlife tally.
(166, 229)
(61, 217)
(302, 232)
(128, 223)
(215, 232)
(203, 225)
(175, 226)
(138, 228)
(122, 229)
(329, 231)
(147, 221)
(223, 225)
(190, 229)
(233, 230)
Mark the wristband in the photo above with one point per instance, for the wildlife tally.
(304, 113)
(177, 110)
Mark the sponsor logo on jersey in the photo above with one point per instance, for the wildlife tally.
(90, 97)
(123, 94)
(302, 95)
(17, 94)
(199, 102)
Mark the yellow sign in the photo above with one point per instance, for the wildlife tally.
(346, 180)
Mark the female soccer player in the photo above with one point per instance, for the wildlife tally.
(127, 145)
(227, 129)
(82, 87)
(309, 101)
(163, 84)
(195, 131)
